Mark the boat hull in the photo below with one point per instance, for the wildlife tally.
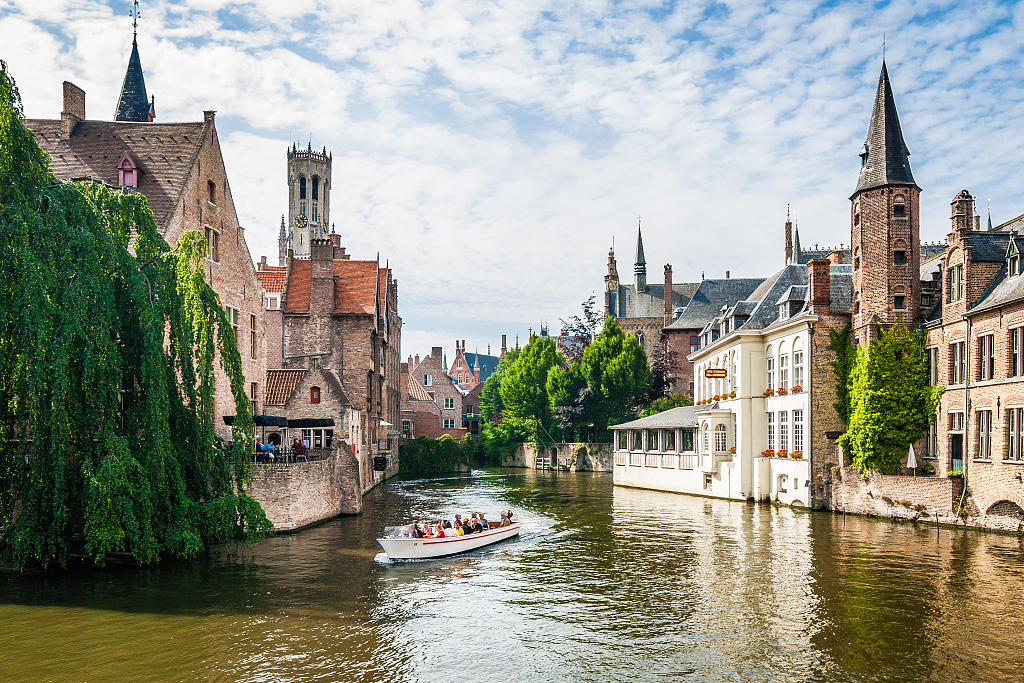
(421, 548)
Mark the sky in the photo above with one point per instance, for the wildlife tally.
(492, 151)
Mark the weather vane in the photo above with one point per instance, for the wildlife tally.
(135, 19)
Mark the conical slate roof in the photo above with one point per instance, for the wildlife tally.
(885, 157)
(134, 103)
(640, 260)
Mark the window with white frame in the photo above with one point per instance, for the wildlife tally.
(933, 366)
(1015, 436)
(449, 403)
(985, 434)
(448, 423)
(957, 363)
(233, 320)
(1016, 351)
(638, 440)
(770, 372)
(623, 440)
(252, 337)
(428, 380)
(721, 439)
(668, 440)
(932, 445)
(798, 430)
(784, 372)
(707, 440)
(783, 430)
(771, 431)
(986, 357)
(652, 439)
(956, 422)
(272, 302)
(798, 368)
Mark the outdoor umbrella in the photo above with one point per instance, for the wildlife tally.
(911, 460)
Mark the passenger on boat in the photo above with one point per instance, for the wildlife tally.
(438, 530)
(466, 527)
(504, 520)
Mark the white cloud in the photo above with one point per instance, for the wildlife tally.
(490, 151)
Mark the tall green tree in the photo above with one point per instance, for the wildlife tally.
(524, 387)
(891, 400)
(490, 396)
(616, 370)
(108, 340)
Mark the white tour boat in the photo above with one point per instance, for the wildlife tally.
(405, 548)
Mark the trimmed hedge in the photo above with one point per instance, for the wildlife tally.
(435, 456)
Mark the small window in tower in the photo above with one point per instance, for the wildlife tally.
(856, 263)
(899, 257)
(316, 187)
(314, 394)
(856, 213)
(302, 187)
(899, 209)
(211, 192)
(899, 303)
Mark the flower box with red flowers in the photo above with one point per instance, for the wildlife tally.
(733, 450)
(716, 397)
(798, 455)
(768, 392)
(781, 392)
(796, 389)
(782, 453)
(769, 453)
(732, 394)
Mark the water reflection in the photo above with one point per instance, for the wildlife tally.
(604, 584)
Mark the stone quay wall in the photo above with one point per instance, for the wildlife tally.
(577, 457)
(932, 499)
(296, 495)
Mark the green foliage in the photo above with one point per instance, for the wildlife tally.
(664, 403)
(108, 341)
(498, 439)
(891, 401)
(841, 344)
(524, 386)
(426, 456)
(490, 396)
(616, 370)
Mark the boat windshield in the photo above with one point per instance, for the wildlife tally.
(399, 531)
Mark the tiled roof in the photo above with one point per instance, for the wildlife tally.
(708, 299)
(488, 364)
(272, 278)
(684, 416)
(417, 392)
(163, 151)
(651, 302)
(281, 385)
(355, 284)
(988, 246)
(886, 157)
(1015, 224)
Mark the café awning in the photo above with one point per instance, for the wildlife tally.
(311, 422)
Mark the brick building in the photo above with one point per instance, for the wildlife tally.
(340, 318)
(471, 369)
(180, 170)
(420, 415)
(431, 373)
(273, 278)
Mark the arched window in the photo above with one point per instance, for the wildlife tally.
(798, 365)
(721, 439)
(302, 187)
(640, 338)
(769, 369)
(314, 394)
(706, 441)
(316, 187)
(783, 368)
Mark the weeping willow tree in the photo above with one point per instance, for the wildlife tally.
(108, 340)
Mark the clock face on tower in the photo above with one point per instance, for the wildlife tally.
(300, 220)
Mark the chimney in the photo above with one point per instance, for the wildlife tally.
(463, 345)
(416, 359)
(668, 294)
(963, 211)
(819, 276)
(837, 256)
(74, 109)
(209, 115)
(262, 264)
(503, 346)
(977, 222)
(435, 352)
(727, 275)
(321, 277)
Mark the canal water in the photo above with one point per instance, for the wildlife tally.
(605, 584)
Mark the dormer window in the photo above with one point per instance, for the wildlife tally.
(783, 311)
(1014, 265)
(127, 172)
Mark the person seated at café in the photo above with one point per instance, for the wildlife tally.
(300, 450)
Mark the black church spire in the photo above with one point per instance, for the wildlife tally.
(884, 157)
(134, 104)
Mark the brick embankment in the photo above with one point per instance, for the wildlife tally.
(295, 495)
(920, 498)
(576, 457)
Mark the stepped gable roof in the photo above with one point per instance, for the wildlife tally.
(683, 416)
(885, 157)
(272, 278)
(708, 299)
(133, 105)
(417, 392)
(281, 384)
(355, 286)
(164, 153)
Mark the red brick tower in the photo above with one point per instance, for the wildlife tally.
(885, 225)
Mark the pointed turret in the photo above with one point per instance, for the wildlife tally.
(134, 104)
(885, 159)
(282, 245)
(640, 267)
(796, 245)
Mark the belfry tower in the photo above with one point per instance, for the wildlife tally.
(885, 225)
(309, 197)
